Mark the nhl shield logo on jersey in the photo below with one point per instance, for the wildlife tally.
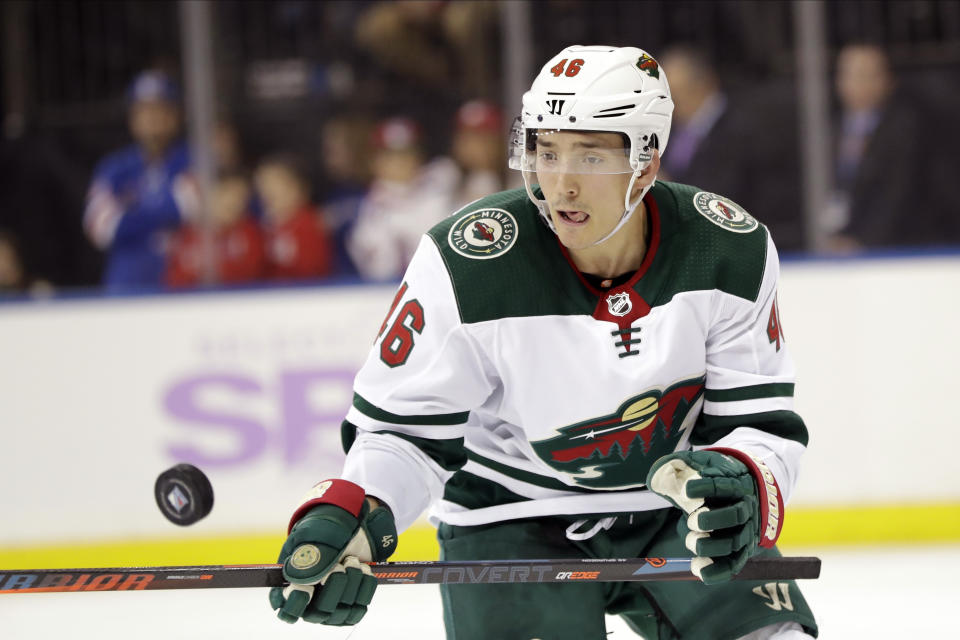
(724, 212)
(483, 234)
(619, 304)
(615, 451)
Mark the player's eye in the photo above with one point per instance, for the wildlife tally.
(547, 156)
(593, 159)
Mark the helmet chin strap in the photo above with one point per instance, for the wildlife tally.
(628, 206)
(541, 204)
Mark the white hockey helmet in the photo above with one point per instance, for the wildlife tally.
(595, 88)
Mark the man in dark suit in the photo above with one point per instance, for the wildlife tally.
(894, 159)
(743, 146)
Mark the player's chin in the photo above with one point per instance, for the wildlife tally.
(574, 238)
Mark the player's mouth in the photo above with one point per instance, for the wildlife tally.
(573, 217)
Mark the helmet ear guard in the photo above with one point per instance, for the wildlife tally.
(651, 144)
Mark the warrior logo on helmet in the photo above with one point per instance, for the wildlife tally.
(649, 66)
(483, 234)
(615, 451)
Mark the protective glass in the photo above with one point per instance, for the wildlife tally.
(568, 151)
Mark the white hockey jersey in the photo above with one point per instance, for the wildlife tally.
(504, 385)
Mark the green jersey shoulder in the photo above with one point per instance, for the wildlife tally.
(709, 242)
(504, 261)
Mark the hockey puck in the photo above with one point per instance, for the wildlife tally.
(184, 494)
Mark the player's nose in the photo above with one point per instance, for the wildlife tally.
(569, 184)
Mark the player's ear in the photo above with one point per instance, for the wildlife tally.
(647, 176)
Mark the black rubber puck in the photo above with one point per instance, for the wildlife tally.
(184, 494)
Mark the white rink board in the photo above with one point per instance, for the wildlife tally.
(98, 396)
(105, 395)
(877, 348)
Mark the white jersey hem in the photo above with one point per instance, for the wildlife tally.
(454, 514)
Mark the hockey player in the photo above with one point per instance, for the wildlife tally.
(590, 367)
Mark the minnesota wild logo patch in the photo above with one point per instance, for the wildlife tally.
(483, 234)
(615, 451)
(724, 212)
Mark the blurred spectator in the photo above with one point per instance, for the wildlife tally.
(298, 246)
(745, 148)
(237, 242)
(408, 195)
(444, 45)
(479, 149)
(890, 187)
(345, 154)
(41, 190)
(14, 278)
(415, 28)
(141, 194)
(700, 115)
(227, 150)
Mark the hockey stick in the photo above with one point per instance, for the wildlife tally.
(470, 572)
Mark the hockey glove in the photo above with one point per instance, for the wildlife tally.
(331, 536)
(733, 502)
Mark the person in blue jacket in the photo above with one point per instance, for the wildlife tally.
(142, 193)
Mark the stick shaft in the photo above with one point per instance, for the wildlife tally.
(471, 572)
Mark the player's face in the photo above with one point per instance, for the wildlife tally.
(584, 177)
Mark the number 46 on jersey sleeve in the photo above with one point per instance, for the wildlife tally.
(398, 341)
(774, 328)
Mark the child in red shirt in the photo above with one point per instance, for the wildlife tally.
(238, 248)
(298, 246)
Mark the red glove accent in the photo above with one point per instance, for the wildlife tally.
(340, 493)
(771, 500)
